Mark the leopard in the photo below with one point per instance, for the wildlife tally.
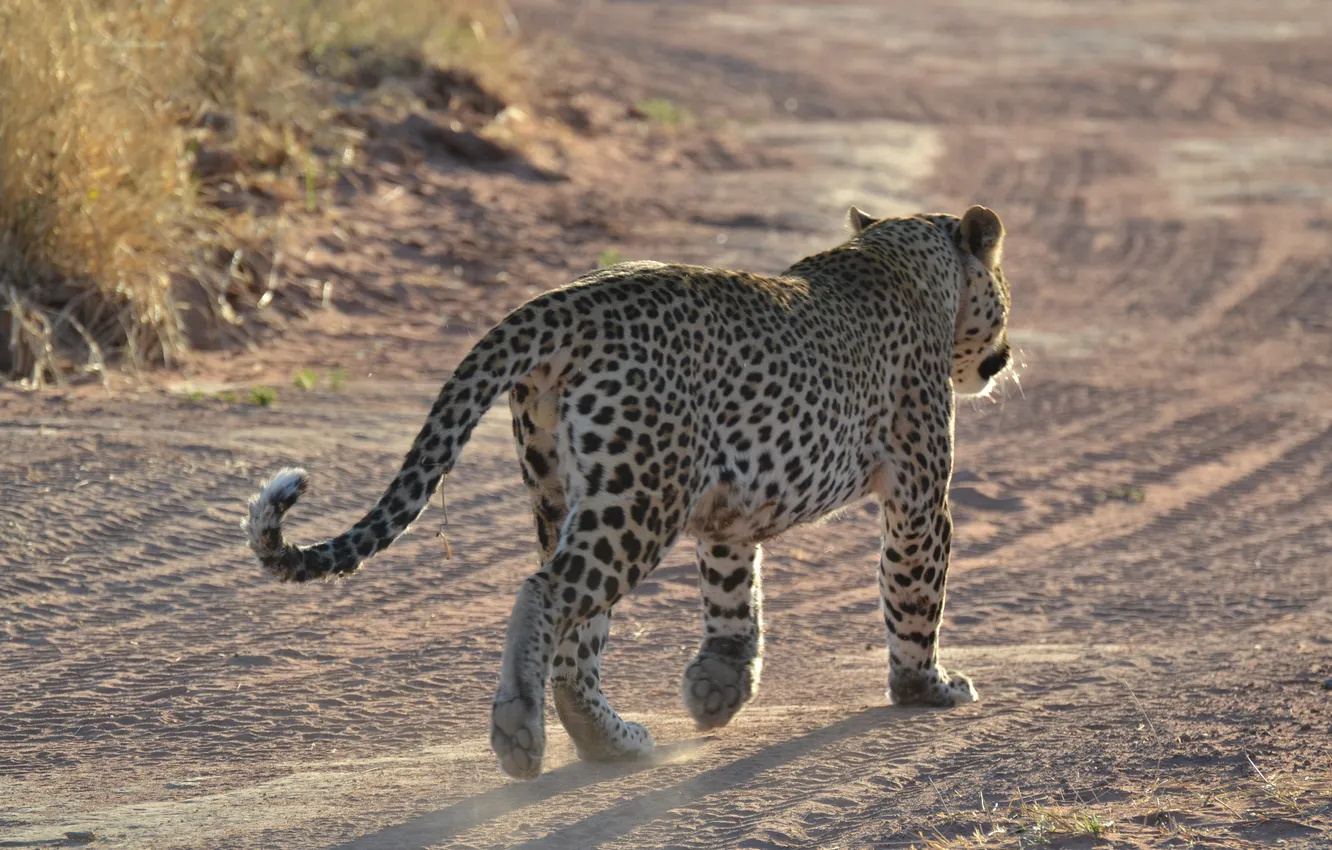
(651, 401)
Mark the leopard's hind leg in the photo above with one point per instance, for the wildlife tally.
(598, 732)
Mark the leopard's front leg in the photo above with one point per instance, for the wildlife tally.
(724, 676)
(913, 571)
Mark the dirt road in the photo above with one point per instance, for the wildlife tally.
(1142, 583)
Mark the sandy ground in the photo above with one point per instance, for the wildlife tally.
(1142, 584)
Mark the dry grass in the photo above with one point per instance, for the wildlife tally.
(150, 149)
(1228, 815)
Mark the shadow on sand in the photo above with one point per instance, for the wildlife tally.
(439, 827)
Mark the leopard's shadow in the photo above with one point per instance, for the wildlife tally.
(439, 827)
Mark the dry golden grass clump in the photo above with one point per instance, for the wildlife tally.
(135, 136)
(1184, 813)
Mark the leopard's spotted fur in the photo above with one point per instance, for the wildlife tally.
(651, 401)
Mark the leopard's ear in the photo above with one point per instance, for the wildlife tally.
(858, 219)
(982, 236)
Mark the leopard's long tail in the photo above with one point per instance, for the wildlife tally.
(531, 335)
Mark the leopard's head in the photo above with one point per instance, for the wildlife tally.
(980, 339)
(980, 343)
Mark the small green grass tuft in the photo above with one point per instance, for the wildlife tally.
(309, 380)
(262, 396)
(311, 186)
(1090, 823)
(609, 257)
(1035, 824)
(663, 112)
(1132, 494)
(306, 379)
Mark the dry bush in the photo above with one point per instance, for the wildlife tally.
(135, 136)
